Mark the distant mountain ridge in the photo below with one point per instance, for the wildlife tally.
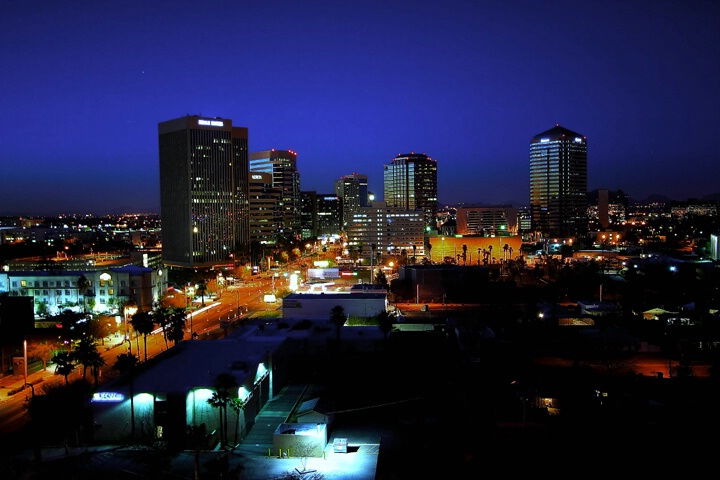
(654, 198)
(657, 198)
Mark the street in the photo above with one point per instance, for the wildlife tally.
(235, 302)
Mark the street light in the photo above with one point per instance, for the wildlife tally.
(189, 294)
(130, 310)
(25, 359)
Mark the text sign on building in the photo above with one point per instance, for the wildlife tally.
(210, 123)
(108, 397)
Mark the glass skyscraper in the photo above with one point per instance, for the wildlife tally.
(410, 182)
(203, 191)
(282, 165)
(558, 183)
(353, 191)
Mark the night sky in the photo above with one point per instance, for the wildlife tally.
(349, 85)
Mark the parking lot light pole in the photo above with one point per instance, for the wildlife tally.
(189, 293)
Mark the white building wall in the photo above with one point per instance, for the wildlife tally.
(319, 306)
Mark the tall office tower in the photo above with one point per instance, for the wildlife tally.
(558, 182)
(410, 182)
(394, 231)
(353, 190)
(265, 209)
(321, 214)
(329, 214)
(308, 214)
(203, 190)
(524, 221)
(282, 164)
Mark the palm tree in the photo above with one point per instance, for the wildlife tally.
(144, 324)
(220, 399)
(236, 404)
(86, 353)
(83, 284)
(201, 288)
(338, 318)
(161, 317)
(95, 362)
(126, 363)
(381, 279)
(64, 364)
(176, 325)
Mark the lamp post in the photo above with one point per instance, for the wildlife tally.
(189, 294)
(130, 310)
(25, 359)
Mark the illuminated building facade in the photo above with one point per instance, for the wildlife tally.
(203, 191)
(489, 220)
(410, 183)
(353, 190)
(558, 182)
(391, 229)
(106, 291)
(329, 214)
(282, 165)
(322, 214)
(265, 209)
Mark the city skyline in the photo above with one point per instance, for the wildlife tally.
(351, 85)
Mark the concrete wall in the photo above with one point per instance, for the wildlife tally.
(319, 306)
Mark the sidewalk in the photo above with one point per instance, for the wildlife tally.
(11, 385)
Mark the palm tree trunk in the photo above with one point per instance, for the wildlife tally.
(222, 435)
(132, 408)
(197, 464)
(225, 430)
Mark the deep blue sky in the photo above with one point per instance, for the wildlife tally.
(350, 84)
